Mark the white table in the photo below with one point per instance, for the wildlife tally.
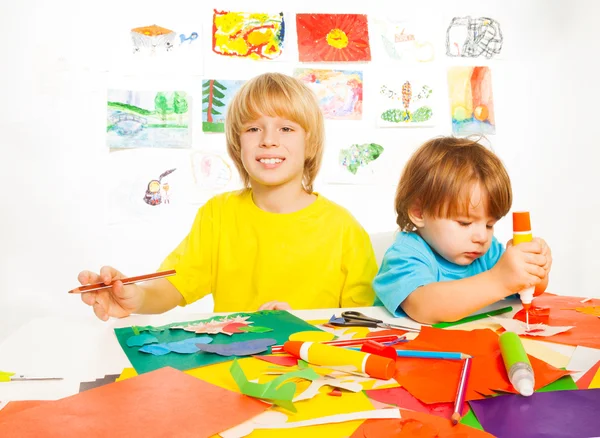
(84, 348)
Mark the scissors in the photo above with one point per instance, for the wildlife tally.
(6, 376)
(351, 318)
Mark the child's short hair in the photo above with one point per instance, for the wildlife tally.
(440, 174)
(277, 95)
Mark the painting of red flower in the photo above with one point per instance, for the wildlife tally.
(333, 37)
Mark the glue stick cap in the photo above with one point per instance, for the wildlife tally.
(523, 381)
(521, 221)
(380, 367)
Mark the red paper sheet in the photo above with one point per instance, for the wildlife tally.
(436, 380)
(416, 424)
(162, 403)
(555, 310)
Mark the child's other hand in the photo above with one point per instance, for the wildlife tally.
(275, 305)
(521, 266)
(118, 301)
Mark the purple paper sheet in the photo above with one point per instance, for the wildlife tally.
(558, 414)
(245, 348)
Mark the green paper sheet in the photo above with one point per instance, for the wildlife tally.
(471, 420)
(283, 324)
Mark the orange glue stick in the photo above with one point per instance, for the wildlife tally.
(522, 233)
(328, 355)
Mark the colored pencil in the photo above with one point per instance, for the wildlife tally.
(427, 354)
(129, 280)
(473, 317)
(461, 392)
(346, 342)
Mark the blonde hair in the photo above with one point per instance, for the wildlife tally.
(277, 95)
(440, 174)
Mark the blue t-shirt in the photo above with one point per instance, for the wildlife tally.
(410, 263)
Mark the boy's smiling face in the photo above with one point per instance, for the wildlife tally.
(273, 151)
(463, 238)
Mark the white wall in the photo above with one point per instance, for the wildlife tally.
(53, 163)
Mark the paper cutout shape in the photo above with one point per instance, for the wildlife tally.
(248, 35)
(312, 336)
(195, 409)
(139, 340)
(276, 391)
(212, 327)
(586, 380)
(471, 100)
(513, 415)
(550, 309)
(244, 348)
(595, 383)
(339, 92)
(285, 361)
(234, 327)
(403, 399)
(589, 310)
(337, 393)
(333, 37)
(520, 327)
(254, 329)
(316, 385)
(417, 424)
(283, 324)
(488, 374)
(185, 346)
(155, 349)
(148, 119)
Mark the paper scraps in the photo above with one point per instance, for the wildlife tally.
(139, 340)
(556, 310)
(520, 327)
(284, 361)
(315, 386)
(277, 390)
(244, 348)
(215, 326)
(186, 346)
(254, 329)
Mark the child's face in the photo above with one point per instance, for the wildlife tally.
(464, 238)
(273, 151)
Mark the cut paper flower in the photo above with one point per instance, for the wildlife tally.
(333, 37)
(520, 327)
(213, 327)
(245, 348)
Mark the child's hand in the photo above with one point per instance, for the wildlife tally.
(546, 253)
(275, 305)
(118, 301)
(521, 266)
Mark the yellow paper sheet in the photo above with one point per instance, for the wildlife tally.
(545, 353)
(595, 381)
(311, 336)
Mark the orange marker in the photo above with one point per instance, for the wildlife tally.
(522, 233)
(328, 355)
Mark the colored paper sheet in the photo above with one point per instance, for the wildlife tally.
(582, 359)
(109, 378)
(255, 329)
(243, 348)
(589, 310)
(403, 399)
(312, 336)
(542, 352)
(557, 310)
(174, 404)
(542, 414)
(416, 424)
(435, 381)
(284, 361)
(317, 384)
(521, 328)
(212, 326)
(14, 407)
(234, 327)
(595, 381)
(586, 380)
(283, 324)
(469, 419)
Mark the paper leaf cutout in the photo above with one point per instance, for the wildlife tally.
(139, 340)
(276, 391)
(285, 361)
(245, 348)
(234, 327)
(520, 328)
(155, 349)
(254, 329)
(315, 385)
(212, 327)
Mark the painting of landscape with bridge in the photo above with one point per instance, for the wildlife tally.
(148, 119)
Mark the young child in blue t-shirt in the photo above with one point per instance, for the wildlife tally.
(446, 263)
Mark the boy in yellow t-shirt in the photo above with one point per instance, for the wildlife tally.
(274, 245)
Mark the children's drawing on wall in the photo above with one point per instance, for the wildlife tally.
(158, 190)
(405, 100)
(333, 37)
(471, 100)
(213, 172)
(473, 37)
(358, 163)
(359, 156)
(216, 95)
(404, 41)
(152, 39)
(340, 92)
(148, 119)
(248, 35)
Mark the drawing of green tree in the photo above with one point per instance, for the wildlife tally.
(211, 92)
(161, 104)
(180, 105)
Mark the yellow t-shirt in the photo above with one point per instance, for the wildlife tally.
(317, 257)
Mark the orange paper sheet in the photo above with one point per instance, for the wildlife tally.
(17, 406)
(165, 402)
(583, 383)
(553, 309)
(417, 424)
(436, 380)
